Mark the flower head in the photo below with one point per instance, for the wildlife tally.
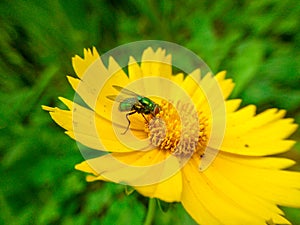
(195, 147)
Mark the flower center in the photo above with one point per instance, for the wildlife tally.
(180, 130)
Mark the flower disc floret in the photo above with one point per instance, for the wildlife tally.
(178, 129)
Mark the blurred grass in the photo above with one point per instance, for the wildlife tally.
(257, 42)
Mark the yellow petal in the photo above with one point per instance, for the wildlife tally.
(80, 65)
(156, 63)
(85, 167)
(96, 81)
(253, 205)
(117, 77)
(241, 116)
(134, 70)
(276, 186)
(258, 135)
(208, 95)
(202, 191)
(244, 146)
(104, 106)
(195, 208)
(232, 105)
(168, 190)
(226, 84)
(115, 69)
(163, 190)
(83, 90)
(261, 162)
(62, 117)
(66, 102)
(91, 130)
(191, 83)
(178, 78)
(152, 173)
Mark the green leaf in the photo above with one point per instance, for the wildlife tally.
(245, 64)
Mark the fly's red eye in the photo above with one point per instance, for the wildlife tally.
(156, 110)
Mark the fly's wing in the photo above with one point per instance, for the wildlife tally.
(116, 98)
(125, 91)
(129, 101)
(121, 98)
(126, 104)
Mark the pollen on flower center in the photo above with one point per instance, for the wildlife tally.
(180, 130)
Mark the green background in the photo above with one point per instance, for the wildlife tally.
(257, 42)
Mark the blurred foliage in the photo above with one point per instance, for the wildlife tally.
(257, 42)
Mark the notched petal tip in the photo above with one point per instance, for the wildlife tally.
(80, 65)
(113, 66)
(149, 50)
(232, 105)
(221, 75)
(131, 60)
(91, 178)
(70, 134)
(95, 52)
(74, 82)
(158, 54)
(66, 102)
(47, 108)
(92, 174)
(87, 54)
(84, 167)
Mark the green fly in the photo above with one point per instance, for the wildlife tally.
(134, 104)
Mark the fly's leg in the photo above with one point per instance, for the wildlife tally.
(128, 114)
(145, 118)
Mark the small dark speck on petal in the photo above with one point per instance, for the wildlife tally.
(246, 145)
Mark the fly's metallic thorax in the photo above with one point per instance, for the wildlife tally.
(147, 104)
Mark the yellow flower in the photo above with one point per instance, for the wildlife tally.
(161, 155)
